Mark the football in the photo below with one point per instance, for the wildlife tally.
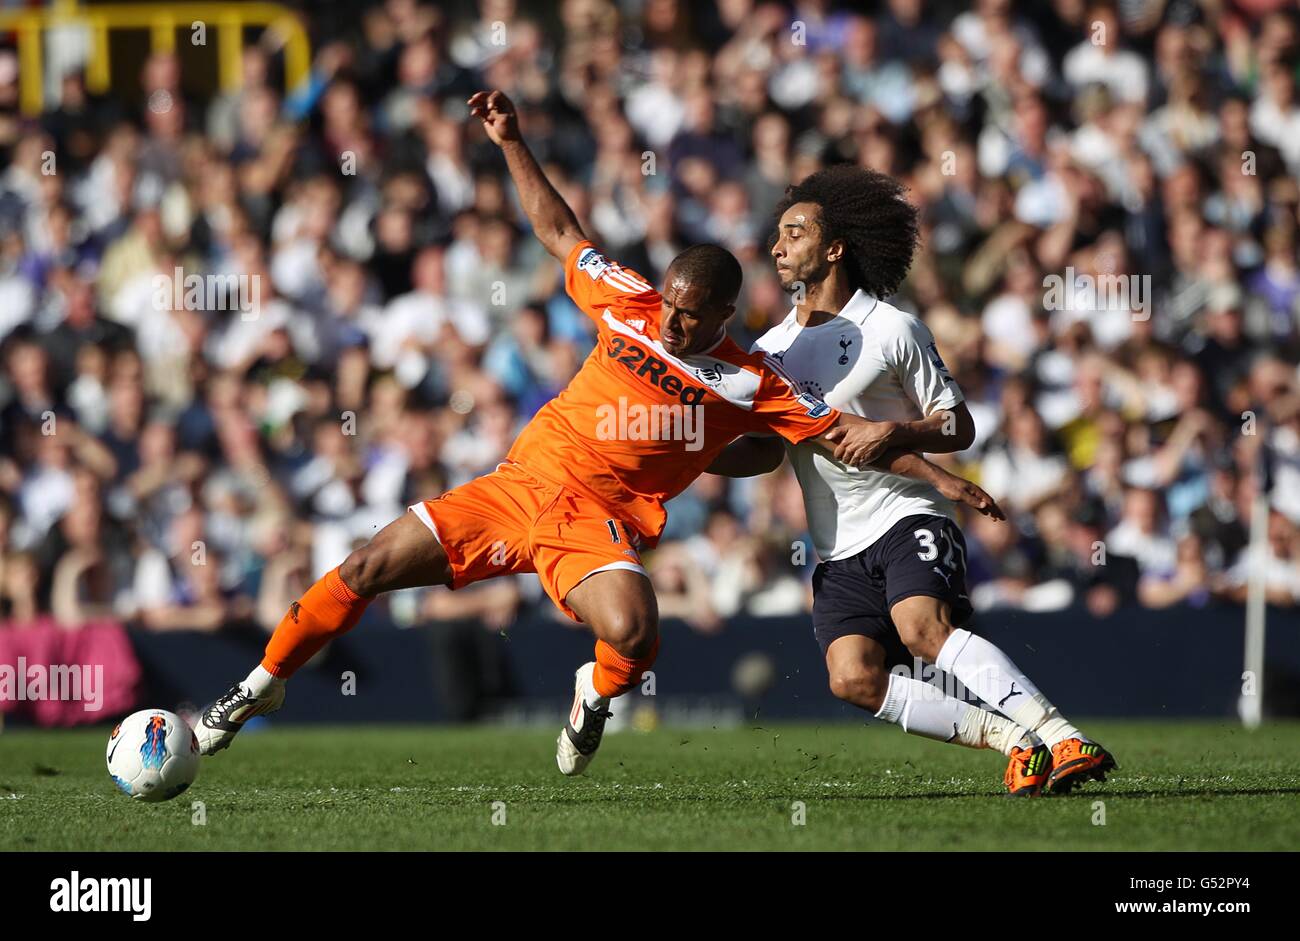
(153, 755)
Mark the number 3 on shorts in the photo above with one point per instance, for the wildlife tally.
(929, 551)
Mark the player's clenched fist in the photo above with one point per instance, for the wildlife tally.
(497, 112)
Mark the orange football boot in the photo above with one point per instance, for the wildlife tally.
(1027, 771)
(1075, 761)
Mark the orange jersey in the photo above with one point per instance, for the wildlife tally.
(638, 424)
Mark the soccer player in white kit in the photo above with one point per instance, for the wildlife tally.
(890, 586)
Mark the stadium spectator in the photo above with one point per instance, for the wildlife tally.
(1110, 197)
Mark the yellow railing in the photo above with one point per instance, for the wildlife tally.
(162, 22)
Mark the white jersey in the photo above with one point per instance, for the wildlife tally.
(878, 362)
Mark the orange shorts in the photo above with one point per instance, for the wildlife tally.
(512, 521)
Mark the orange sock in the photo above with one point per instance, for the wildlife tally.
(328, 609)
(616, 674)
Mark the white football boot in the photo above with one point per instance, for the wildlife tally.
(581, 735)
(221, 720)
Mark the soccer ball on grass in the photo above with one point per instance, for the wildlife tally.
(153, 755)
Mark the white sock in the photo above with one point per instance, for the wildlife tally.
(984, 729)
(922, 709)
(592, 698)
(989, 673)
(260, 681)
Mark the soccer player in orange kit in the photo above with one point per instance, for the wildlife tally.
(582, 489)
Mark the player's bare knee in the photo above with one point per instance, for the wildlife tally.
(862, 685)
(925, 638)
(642, 644)
(363, 570)
(843, 686)
(639, 642)
(631, 633)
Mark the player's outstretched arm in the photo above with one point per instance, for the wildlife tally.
(748, 456)
(553, 222)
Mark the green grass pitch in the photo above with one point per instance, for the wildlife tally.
(1182, 785)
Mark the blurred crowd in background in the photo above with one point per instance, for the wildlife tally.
(198, 465)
